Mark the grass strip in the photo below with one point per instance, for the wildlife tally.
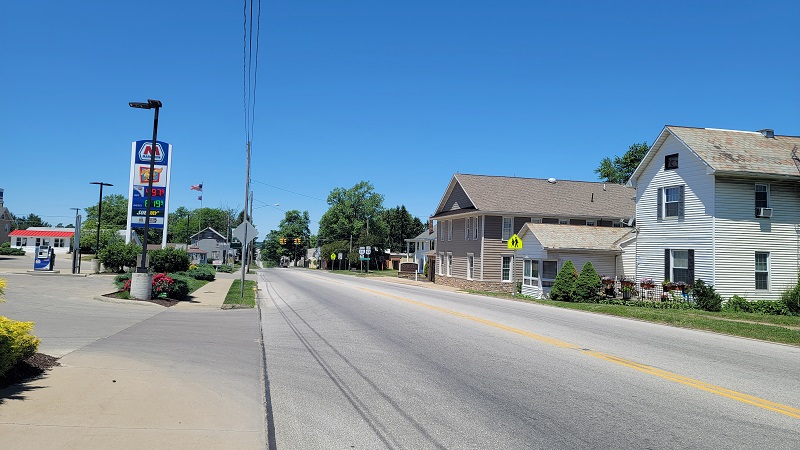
(234, 296)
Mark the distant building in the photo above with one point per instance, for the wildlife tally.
(58, 238)
(5, 220)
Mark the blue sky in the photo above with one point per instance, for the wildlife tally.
(402, 94)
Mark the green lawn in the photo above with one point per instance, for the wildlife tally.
(781, 329)
(234, 296)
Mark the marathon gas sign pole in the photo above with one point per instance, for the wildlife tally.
(141, 152)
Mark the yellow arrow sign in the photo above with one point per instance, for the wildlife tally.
(514, 242)
(333, 256)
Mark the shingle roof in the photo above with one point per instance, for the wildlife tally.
(425, 235)
(537, 196)
(742, 151)
(577, 237)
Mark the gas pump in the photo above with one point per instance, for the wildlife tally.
(42, 260)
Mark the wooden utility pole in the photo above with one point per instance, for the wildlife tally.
(244, 213)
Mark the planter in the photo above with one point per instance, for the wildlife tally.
(648, 286)
(626, 294)
(609, 290)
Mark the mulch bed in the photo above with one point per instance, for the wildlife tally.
(165, 302)
(28, 368)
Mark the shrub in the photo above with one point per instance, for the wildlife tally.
(425, 270)
(120, 280)
(169, 260)
(737, 304)
(587, 286)
(5, 245)
(179, 288)
(6, 251)
(706, 297)
(201, 272)
(118, 255)
(791, 298)
(16, 342)
(564, 285)
(225, 268)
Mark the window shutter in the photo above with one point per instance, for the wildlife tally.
(680, 203)
(691, 266)
(659, 203)
(666, 265)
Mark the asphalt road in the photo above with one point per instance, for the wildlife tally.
(356, 363)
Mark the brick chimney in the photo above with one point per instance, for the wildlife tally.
(430, 224)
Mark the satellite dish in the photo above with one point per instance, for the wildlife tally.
(552, 180)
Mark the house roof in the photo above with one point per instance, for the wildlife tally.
(31, 232)
(734, 152)
(424, 236)
(577, 237)
(539, 197)
(195, 250)
(209, 228)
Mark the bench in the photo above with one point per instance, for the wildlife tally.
(408, 270)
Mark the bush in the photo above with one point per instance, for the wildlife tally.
(5, 245)
(201, 272)
(225, 268)
(6, 251)
(706, 297)
(121, 279)
(174, 286)
(425, 270)
(564, 285)
(791, 298)
(169, 260)
(118, 255)
(587, 286)
(16, 343)
(179, 288)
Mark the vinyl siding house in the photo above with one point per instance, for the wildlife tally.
(421, 245)
(213, 244)
(722, 206)
(478, 213)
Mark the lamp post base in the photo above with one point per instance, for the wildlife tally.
(141, 285)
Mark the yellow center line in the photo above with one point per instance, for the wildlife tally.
(718, 390)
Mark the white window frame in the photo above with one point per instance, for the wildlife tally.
(449, 230)
(762, 270)
(547, 282)
(449, 264)
(530, 274)
(467, 221)
(441, 263)
(673, 265)
(677, 202)
(470, 266)
(475, 228)
(58, 242)
(510, 278)
(563, 221)
(507, 231)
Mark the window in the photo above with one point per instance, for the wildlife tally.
(563, 221)
(507, 225)
(549, 272)
(22, 241)
(762, 197)
(671, 162)
(38, 242)
(762, 270)
(449, 264)
(550, 220)
(670, 202)
(506, 269)
(449, 230)
(470, 266)
(577, 222)
(680, 266)
(440, 263)
(58, 242)
(467, 233)
(530, 272)
(475, 228)
(441, 230)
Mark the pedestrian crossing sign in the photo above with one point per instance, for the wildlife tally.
(514, 242)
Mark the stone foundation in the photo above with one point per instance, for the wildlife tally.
(491, 286)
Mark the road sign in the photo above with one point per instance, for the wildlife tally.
(238, 233)
(361, 251)
(364, 259)
(369, 250)
(514, 242)
(340, 255)
(333, 256)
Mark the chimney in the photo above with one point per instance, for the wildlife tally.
(430, 226)
(1, 197)
(767, 132)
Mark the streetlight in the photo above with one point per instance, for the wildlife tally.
(99, 211)
(151, 104)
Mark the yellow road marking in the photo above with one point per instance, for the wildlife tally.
(718, 390)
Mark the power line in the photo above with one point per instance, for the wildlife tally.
(291, 192)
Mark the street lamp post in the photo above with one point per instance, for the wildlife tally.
(142, 281)
(99, 211)
(156, 105)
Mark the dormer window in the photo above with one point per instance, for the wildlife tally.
(671, 162)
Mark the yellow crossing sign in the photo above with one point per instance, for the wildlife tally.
(514, 242)
(333, 256)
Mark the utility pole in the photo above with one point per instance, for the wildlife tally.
(244, 213)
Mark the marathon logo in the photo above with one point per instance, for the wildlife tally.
(147, 149)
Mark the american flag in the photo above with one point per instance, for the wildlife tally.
(197, 187)
(200, 197)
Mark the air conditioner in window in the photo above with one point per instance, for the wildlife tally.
(764, 212)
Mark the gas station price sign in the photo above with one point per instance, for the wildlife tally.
(158, 199)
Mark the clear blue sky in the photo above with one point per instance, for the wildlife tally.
(402, 94)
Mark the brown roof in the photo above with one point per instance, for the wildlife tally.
(740, 152)
(577, 237)
(540, 197)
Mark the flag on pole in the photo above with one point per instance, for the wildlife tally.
(197, 187)
(200, 197)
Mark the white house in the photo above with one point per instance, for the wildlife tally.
(421, 245)
(545, 248)
(58, 238)
(722, 206)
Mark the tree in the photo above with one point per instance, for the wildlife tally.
(115, 213)
(620, 169)
(564, 285)
(401, 226)
(355, 215)
(31, 220)
(271, 249)
(295, 225)
(587, 286)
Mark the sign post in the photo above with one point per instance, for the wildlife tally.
(514, 243)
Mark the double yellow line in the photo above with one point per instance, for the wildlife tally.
(728, 393)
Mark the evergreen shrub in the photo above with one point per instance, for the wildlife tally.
(563, 288)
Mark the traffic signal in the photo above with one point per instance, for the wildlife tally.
(282, 240)
(297, 240)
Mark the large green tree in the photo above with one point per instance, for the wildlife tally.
(31, 220)
(115, 213)
(401, 225)
(355, 215)
(295, 225)
(183, 222)
(620, 169)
